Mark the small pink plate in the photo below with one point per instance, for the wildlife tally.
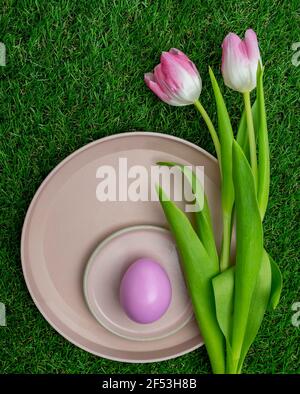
(66, 222)
(106, 268)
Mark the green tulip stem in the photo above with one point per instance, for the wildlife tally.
(232, 365)
(211, 129)
(251, 135)
(226, 240)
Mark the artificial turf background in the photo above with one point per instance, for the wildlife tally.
(74, 74)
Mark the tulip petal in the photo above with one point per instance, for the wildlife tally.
(177, 70)
(184, 61)
(164, 80)
(251, 45)
(177, 79)
(239, 61)
(155, 87)
(167, 86)
(172, 71)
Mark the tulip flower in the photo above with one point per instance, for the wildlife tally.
(177, 82)
(229, 301)
(240, 60)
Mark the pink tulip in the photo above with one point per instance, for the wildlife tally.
(176, 79)
(240, 60)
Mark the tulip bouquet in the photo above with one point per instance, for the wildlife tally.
(229, 297)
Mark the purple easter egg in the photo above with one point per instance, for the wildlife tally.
(145, 291)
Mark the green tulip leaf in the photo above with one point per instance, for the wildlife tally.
(276, 285)
(242, 134)
(223, 285)
(198, 269)
(249, 246)
(263, 147)
(258, 307)
(226, 138)
(204, 227)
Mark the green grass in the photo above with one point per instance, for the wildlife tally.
(75, 74)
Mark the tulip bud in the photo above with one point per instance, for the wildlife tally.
(240, 60)
(176, 79)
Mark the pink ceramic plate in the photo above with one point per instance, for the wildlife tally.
(65, 223)
(106, 268)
